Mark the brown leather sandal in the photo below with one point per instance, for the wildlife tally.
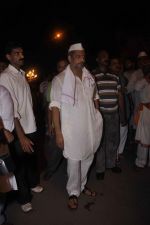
(87, 191)
(73, 202)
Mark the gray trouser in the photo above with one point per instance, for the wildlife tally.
(107, 152)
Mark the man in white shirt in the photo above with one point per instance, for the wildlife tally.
(77, 123)
(24, 154)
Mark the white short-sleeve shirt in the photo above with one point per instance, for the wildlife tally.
(19, 89)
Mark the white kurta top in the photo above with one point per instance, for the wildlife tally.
(81, 123)
(19, 89)
(143, 127)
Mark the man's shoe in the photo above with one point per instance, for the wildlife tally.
(116, 169)
(100, 176)
(26, 207)
(37, 189)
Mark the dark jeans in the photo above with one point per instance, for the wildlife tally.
(26, 170)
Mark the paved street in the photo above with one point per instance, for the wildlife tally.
(123, 199)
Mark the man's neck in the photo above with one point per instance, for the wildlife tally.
(77, 72)
(16, 67)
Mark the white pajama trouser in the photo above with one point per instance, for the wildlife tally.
(77, 174)
(142, 156)
(123, 138)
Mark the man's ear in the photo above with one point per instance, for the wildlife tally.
(7, 57)
(69, 58)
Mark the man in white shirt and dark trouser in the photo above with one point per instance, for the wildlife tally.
(77, 123)
(24, 152)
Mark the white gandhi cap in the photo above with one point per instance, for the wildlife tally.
(76, 47)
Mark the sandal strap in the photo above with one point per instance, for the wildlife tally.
(91, 193)
(74, 204)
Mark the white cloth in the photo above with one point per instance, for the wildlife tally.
(142, 154)
(6, 109)
(143, 127)
(135, 76)
(81, 123)
(77, 175)
(13, 182)
(123, 138)
(69, 85)
(19, 89)
(76, 47)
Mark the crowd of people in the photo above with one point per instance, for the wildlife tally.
(87, 115)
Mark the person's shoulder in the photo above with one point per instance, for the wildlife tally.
(5, 72)
(59, 76)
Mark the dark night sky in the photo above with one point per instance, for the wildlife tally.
(114, 27)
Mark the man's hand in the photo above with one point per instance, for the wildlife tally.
(8, 135)
(60, 140)
(26, 144)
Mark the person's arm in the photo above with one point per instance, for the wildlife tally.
(26, 143)
(50, 123)
(55, 107)
(57, 127)
(5, 134)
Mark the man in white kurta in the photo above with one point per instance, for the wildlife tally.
(80, 129)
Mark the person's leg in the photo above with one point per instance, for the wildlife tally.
(74, 182)
(85, 166)
(53, 155)
(2, 204)
(100, 154)
(112, 139)
(74, 177)
(32, 170)
(142, 153)
(24, 195)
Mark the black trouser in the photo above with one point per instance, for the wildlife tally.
(53, 154)
(2, 205)
(26, 170)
